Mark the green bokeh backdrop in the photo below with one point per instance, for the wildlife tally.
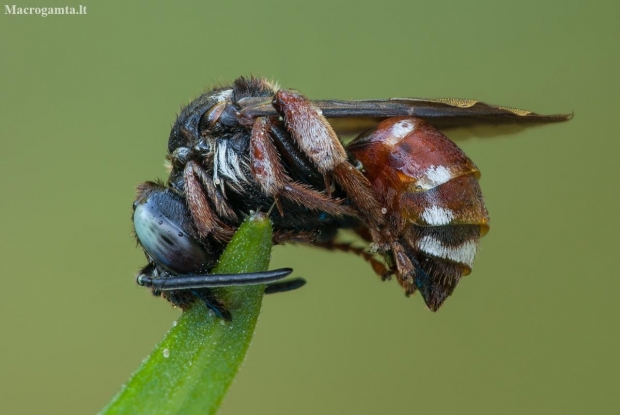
(86, 103)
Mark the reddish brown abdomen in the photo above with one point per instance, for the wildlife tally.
(430, 190)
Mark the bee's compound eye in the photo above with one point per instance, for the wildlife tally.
(165, 241)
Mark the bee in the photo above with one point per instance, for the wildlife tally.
(401, 185)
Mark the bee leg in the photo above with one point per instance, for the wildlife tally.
(296, 237)
(269, 173)
(317, 139)
(222, 208)
(213, 304)
(378, 267)
(284, 286)
(206, 221)
(406, 272)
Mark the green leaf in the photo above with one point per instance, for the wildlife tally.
(191, 369)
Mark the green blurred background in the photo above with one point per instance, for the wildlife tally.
(86, 106)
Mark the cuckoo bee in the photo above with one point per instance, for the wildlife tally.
(401, 185)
